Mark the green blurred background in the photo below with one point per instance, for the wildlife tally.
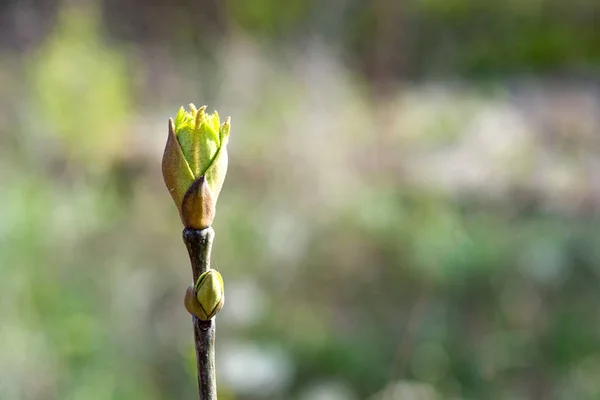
(411, 209)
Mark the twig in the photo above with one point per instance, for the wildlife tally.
(199, 245)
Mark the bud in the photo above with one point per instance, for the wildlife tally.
(195, 164)
(206, 299)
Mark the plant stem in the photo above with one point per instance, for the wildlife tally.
(199, 245)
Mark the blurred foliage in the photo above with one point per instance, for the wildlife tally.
(267, 17)
(74, 67)
(421, 38)
(438, 243)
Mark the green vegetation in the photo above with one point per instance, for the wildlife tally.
(441, 240)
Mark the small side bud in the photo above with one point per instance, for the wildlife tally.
(206, 299)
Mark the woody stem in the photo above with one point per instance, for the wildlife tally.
(199, 245)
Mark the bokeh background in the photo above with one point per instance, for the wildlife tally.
(411, 209)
